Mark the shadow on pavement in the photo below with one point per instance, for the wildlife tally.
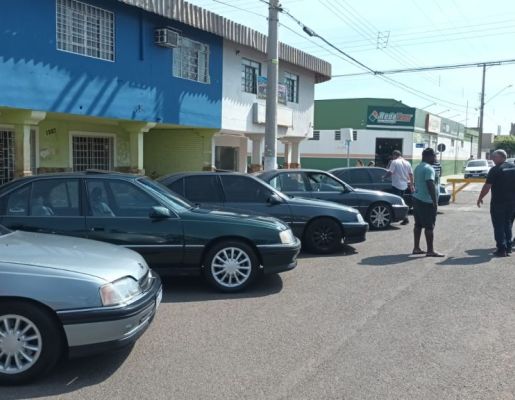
(476, 256)
(345, 251)
(69, 376)
(188, 289)
(392, 259)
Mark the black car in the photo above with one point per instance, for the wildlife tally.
(379, 209)
(173, 235)
(372, 178)
(321, 225)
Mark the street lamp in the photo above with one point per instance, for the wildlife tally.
(498, 93)
(443, 112)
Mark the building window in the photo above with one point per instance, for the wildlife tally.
(7, 152)
(191, 61)
(250, 70)
(292, 84)
(452, 142)
(84, 29)
(93, 152)
(316, 135)
(337, 135)
(354, 135)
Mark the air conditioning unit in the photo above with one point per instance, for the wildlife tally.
(166, 37)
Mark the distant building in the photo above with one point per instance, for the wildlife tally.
(379, 127)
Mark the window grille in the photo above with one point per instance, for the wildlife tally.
(92, 152)
(7, 156)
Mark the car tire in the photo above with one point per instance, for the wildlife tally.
(231, 266)
(323, 236)
(379, 216)
(31, 342)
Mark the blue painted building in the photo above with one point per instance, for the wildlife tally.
(94, 84)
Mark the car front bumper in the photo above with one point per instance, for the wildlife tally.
(400, 211)
(354, 232)
(279, 257)
(96, 330)
(475, 175)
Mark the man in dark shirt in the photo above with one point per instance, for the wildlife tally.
(501, 180)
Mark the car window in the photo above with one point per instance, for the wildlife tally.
(177, 186)
(378, 175)
(358, 176)
(17, 202)
(320, 182)
(129, 200)
(176, 202)
(289, 182)
(98, 200)
(4, 230)
(244, 189)
(55, 197)
(203, 189)
(478, 163)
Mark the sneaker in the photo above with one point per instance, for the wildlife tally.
(405, 222)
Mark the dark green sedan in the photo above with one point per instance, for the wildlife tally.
(174, 236)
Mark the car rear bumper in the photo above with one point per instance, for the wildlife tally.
(354, 232)
(279, 257)
(399, 212)
(92, 331)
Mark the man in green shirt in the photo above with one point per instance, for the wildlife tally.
(425, 203)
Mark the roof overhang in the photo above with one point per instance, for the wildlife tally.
(200, 18)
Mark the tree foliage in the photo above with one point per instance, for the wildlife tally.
(506, 143)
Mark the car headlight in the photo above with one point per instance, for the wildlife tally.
(287, 237)
(360, 218)
(119, 291)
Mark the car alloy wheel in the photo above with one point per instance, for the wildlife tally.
(380, 216)
(20, 344)
(231, 266)
(323, 236)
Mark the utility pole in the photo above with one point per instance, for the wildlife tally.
(271, 89)
(481, 114)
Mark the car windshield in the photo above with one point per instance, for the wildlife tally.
(4, 230)
(177, 202)
(478, 163)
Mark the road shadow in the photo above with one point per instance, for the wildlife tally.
(392, 259)
(346, 250)
(188, 289)
(475, 257)
(69, 376)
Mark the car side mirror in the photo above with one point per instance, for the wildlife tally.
(275, 199)
(160, 213)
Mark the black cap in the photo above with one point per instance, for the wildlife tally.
(429, 152)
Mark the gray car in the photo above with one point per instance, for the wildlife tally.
(67, 296)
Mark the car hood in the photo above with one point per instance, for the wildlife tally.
(473, 169)
(378, 194)
(301, 201)
(236, 215)
(88, 257)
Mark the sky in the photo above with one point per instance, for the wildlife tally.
(404, 34)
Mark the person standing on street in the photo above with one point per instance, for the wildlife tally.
(402, 177)
(425, 203)
(501, 181)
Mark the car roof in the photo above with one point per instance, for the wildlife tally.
(177, 175)
(352, 168)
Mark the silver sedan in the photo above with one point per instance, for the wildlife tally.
(62, 295)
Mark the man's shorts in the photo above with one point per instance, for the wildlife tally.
(424, 213)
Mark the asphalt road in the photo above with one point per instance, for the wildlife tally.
(376, 323)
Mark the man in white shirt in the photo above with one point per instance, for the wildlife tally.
(402, 177)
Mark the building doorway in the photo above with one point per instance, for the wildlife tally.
(226, 158)
(384, 150)
(7, 156)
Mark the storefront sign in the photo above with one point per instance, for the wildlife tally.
(433, 124)
(282, 90)
(391, 117)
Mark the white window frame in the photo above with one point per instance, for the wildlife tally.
(92, 134)
(68, 30)
(296, 79)
(248, 62)
(180, 69)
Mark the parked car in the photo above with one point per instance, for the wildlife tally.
(510, 160)
(477, 169)
(379, 209)
(62, 295)
(173, 235)
(321, 225)
(372, 178)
